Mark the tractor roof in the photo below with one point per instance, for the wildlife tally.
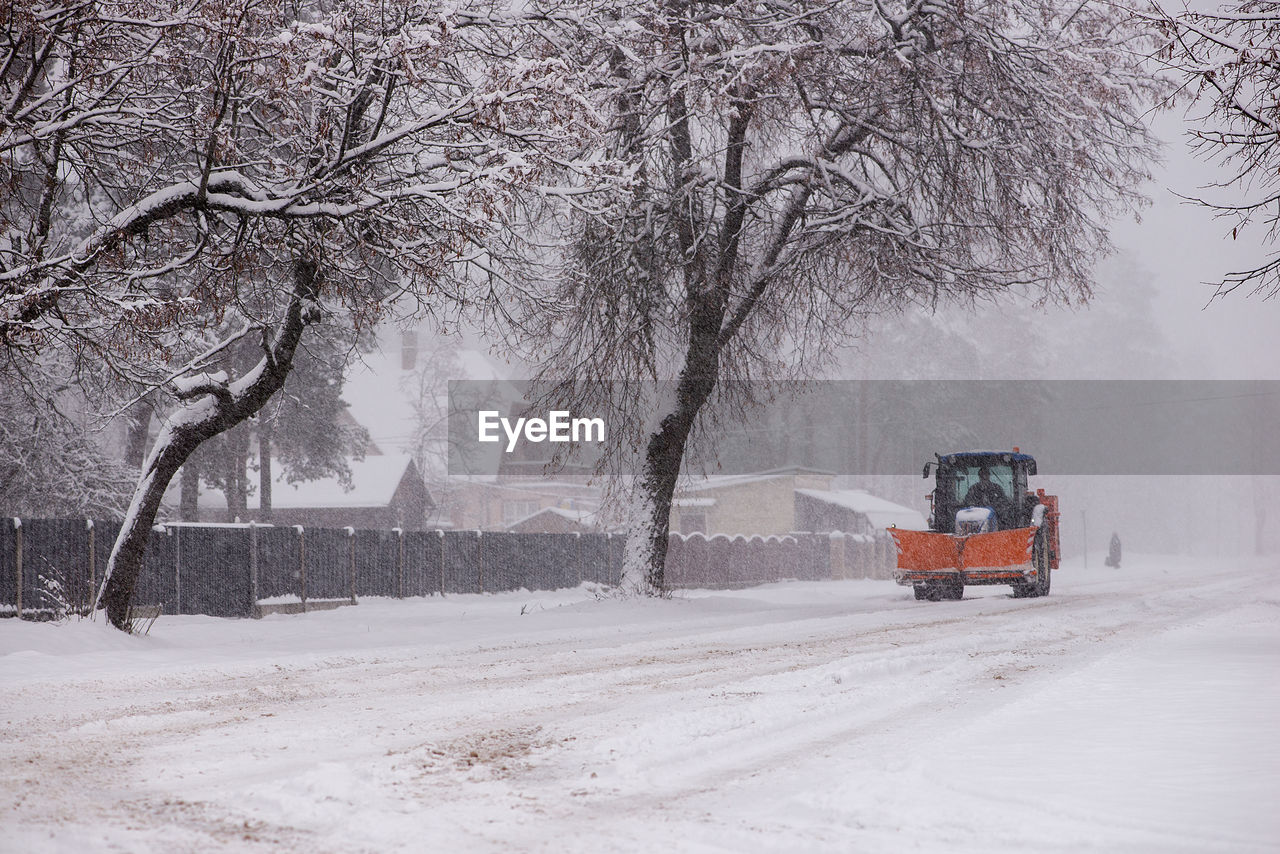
(1002, 456)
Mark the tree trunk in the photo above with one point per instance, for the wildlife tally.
(644, 566)
(265, 432)
(189, 506)
(182, 434)
(138, 431)
(237, 475)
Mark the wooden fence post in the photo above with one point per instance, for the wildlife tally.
(93, 570)
(399, 532)
(302, 565)
(577, 553)
(351, 554)
(253, 570)
(440, 534)
(17, 561)
(176, 532)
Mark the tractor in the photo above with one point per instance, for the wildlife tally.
(985, 527)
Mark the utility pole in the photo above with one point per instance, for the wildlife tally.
(1084, 535)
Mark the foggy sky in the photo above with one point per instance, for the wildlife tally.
(1184, 246)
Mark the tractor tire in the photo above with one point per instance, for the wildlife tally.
(928, 592)
(1044, 577)
(1039, 587)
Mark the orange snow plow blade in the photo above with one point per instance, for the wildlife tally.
(999, 548)
(929, 551)
(926, 551)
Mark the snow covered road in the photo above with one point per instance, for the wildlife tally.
(1133, 710)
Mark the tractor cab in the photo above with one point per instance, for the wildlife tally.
(978, 491)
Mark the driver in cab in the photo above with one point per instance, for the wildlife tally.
(984, 493)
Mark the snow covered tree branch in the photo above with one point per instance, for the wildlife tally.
(1227, 62)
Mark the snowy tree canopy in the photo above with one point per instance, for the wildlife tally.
(799, 165)
(204, 141)
(190, 175)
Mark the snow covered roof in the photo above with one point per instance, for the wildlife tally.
(374, 481)
(1012, 455)
(754, 477)
(586, 518)
(879, 512)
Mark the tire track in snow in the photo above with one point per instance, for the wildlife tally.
(579, 693)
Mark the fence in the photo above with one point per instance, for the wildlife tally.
(54, 565)
(696, 560)
(51, 566)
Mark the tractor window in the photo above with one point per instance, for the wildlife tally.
(967, 476)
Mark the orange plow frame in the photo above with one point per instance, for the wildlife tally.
(997, 557)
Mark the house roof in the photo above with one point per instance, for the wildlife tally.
(880, 513)
(374, 481)
(586, 518)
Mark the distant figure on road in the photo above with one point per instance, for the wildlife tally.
(1113, 554)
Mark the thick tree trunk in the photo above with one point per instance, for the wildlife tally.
(211, 409)
(644, 566)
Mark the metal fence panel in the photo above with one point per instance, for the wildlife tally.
(462, 562)
(8, 565)
(593, 557)
(328, 560)
(422, 574)
(215, 571)
(158, 582)
(279, 574)
(377, 557)
(55, 558)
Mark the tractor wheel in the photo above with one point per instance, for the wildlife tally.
(1039, 587)
(1043, 577)
(921, 591)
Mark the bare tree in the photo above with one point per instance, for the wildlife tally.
(259, 164)
(1227, 62)
(800, 164)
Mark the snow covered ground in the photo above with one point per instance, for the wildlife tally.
(1133, 710)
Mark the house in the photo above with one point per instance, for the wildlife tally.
(852, 511)
(386, 491)
(496, 503)
(401, 395)
(761, 503)
(782, 501)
